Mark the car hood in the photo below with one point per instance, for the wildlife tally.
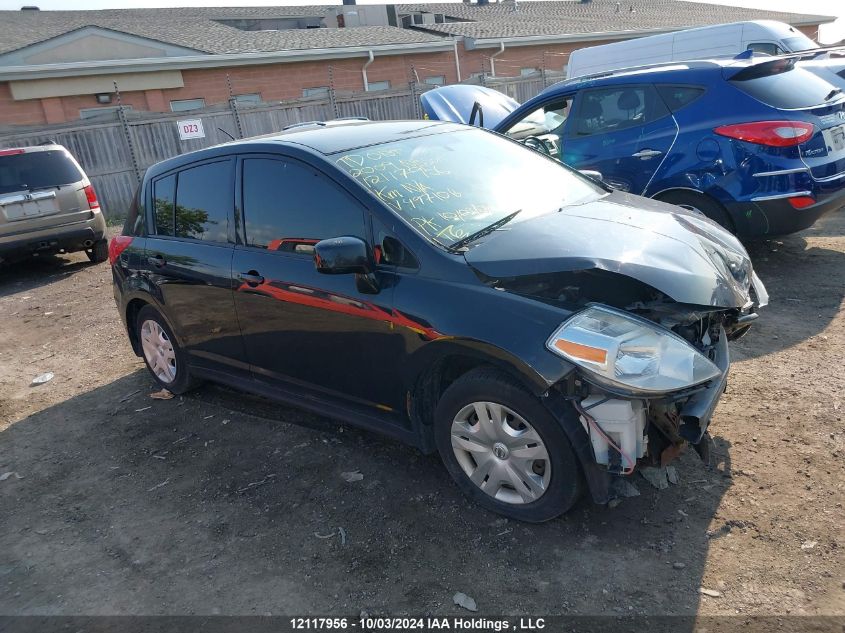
(678, 252)
(455, 103)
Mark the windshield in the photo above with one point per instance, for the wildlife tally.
(36, 170)
(449, 186)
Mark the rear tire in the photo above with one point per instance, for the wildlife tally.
(164, 358)
(99, 252)
(504, 450)
(702, 203)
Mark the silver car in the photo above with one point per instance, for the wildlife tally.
(47, 205)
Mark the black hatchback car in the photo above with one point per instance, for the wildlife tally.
(445, 286)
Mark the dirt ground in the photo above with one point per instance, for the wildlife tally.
(218, 502)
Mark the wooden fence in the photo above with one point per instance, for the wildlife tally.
(115, 152)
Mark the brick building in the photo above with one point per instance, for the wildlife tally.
(58, 66)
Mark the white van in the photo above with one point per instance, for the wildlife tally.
(720, 40)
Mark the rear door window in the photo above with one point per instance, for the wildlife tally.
(290, 207)
(780, 85)
(608, 110)
(204, 202)
(36, 170)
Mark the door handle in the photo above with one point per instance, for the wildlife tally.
(252, 278)
(647, 153)
(157, 260)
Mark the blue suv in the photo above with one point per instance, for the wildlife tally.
(756, 145)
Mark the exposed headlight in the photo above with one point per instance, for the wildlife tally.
(622, 350)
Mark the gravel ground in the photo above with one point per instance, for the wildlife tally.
(218, 502)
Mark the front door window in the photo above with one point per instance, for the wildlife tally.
(542, 129)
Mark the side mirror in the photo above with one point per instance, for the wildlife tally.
(592, 173)
(342, 256)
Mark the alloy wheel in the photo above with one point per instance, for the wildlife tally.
(501, 453)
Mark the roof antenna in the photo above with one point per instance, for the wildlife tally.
(220, 129)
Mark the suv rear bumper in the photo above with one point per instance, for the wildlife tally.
(68, 238)
(769, 218)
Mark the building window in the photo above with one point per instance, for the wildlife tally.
(528, 72)
(249, 97)
(110, 112)
(437, 80)
(183, 105)
(319, 91)
(375, 86)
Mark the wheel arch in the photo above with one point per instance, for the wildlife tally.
(133, 307)
(438, 365)
(707, 196)
(134, 304)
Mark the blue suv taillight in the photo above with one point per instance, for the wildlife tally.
(771, 133)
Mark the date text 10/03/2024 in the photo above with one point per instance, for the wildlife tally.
(466, 623)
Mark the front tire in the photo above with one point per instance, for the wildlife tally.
(504, 450)
(165, 360)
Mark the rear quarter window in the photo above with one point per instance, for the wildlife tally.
(37, 170)
(134, 224)
(788, 89)
(677, 97)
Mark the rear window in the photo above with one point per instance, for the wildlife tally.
(37, 170)
(787, 88)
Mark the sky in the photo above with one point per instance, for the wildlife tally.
(829, 33)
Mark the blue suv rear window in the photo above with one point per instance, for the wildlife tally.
(785, 89)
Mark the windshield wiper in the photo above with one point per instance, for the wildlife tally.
(482, 232)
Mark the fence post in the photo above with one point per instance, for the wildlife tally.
(127, 133)
(233, 106)
(415, 101)
(543, 71)
(332, 96)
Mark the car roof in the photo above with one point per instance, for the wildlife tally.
(322, 137)
(341, 136)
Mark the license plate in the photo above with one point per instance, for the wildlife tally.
(834, 137)
(25, 206)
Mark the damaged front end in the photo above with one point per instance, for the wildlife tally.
(646, 385)
(643, 391)
(654, 304)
